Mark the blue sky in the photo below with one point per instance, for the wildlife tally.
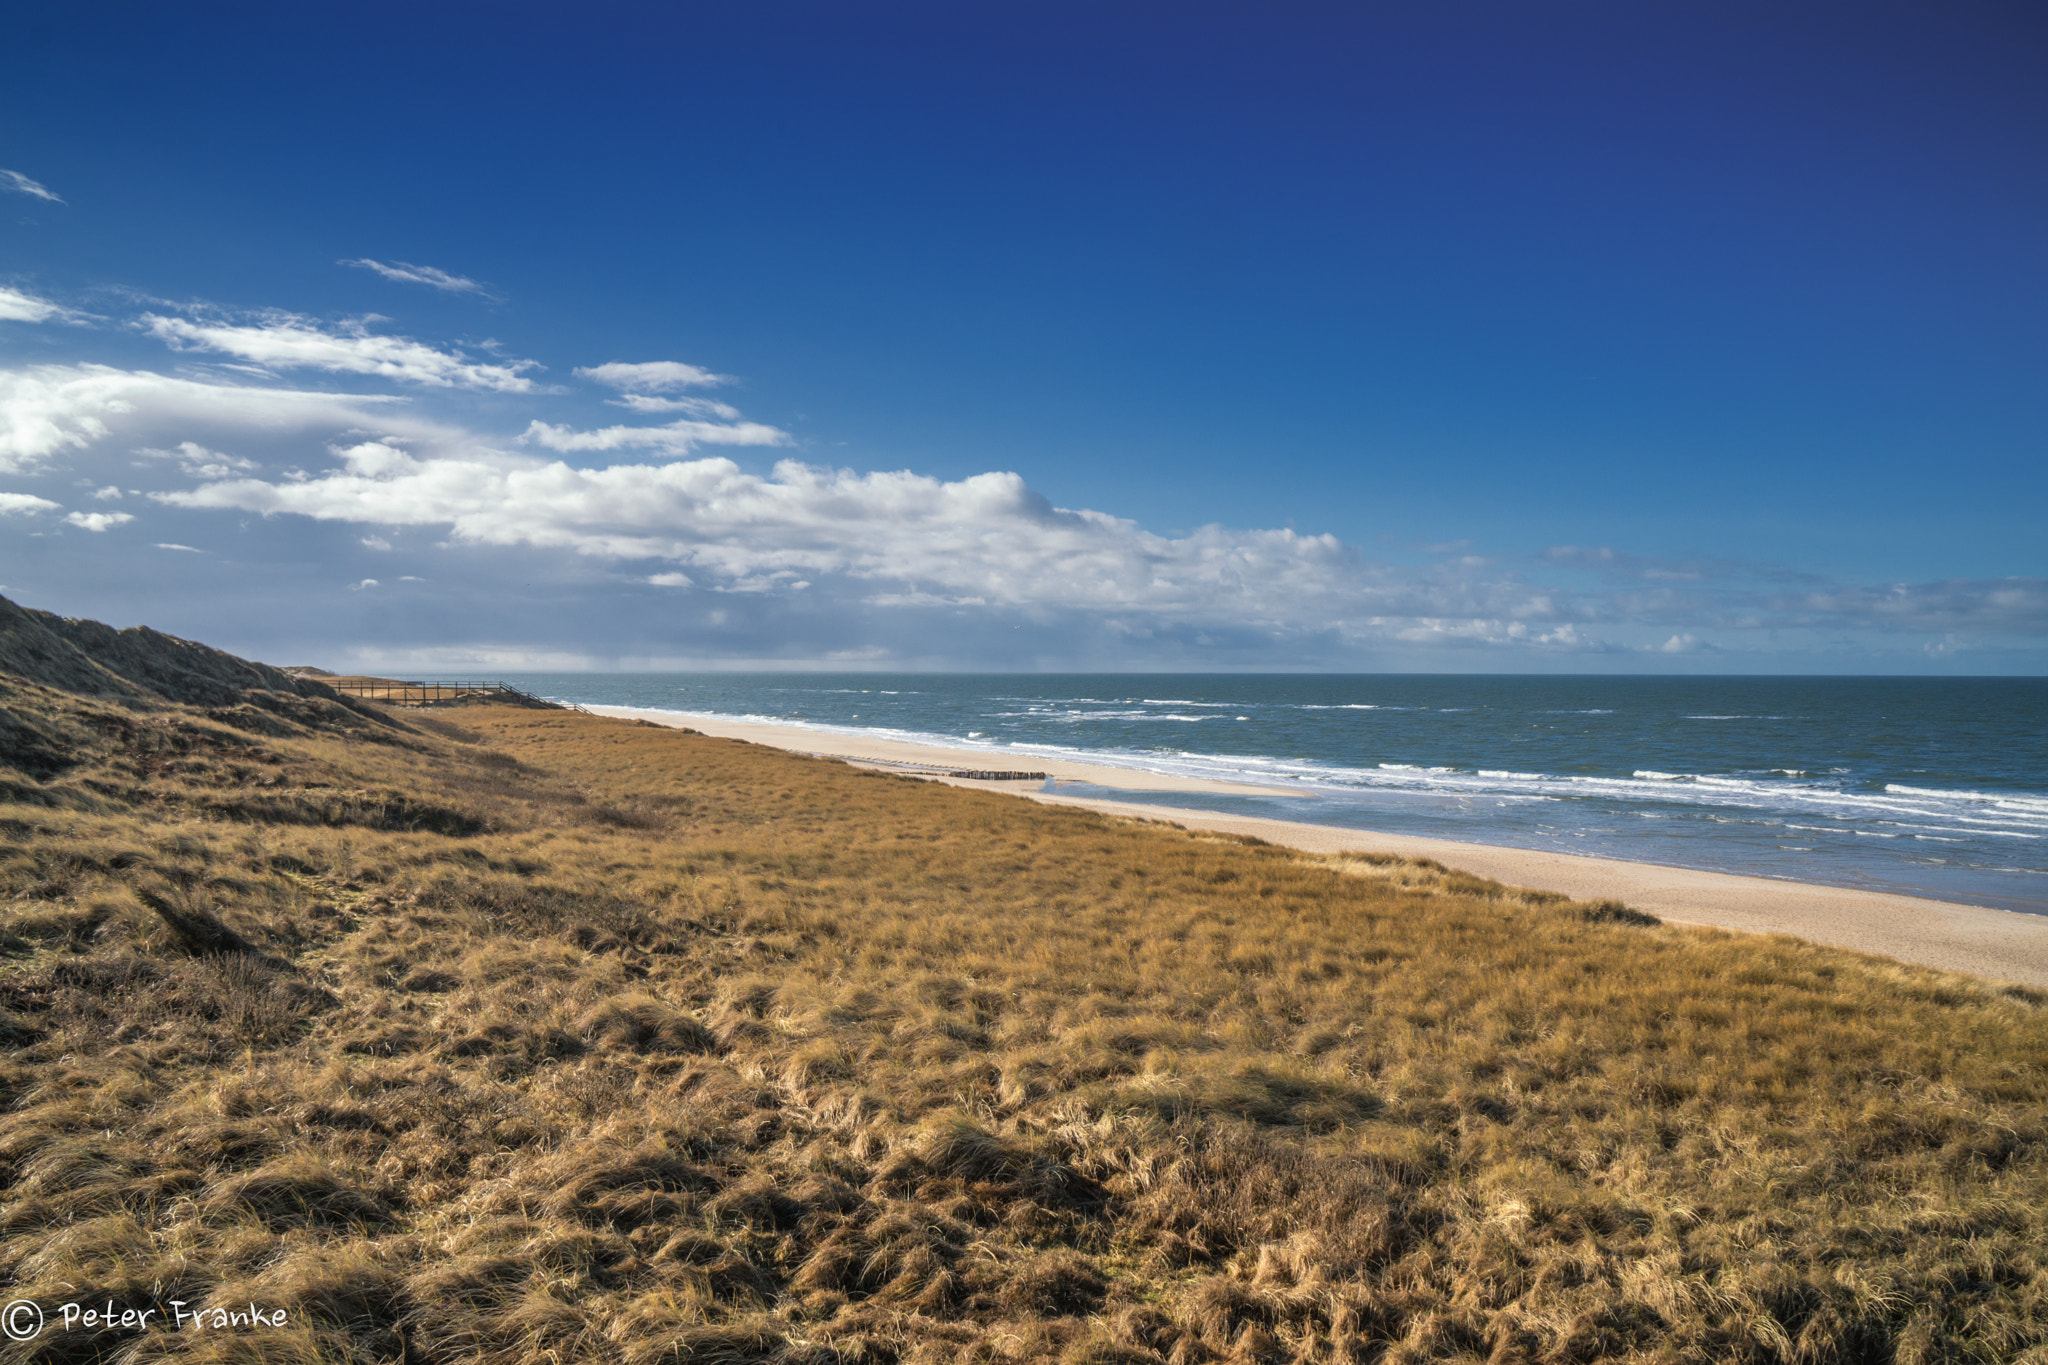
(1583, 337)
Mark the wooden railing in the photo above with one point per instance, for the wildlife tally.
(411, 692)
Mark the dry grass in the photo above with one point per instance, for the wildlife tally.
(525, 1035)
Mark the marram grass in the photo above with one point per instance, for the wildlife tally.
(566, 1039)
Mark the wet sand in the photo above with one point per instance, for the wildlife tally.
(2000, 944)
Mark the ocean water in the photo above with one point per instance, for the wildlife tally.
(1931, 787)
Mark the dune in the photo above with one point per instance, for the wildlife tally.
(1981, 940)
(503, 1033)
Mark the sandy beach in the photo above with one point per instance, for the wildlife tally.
(932, 759)
(1999, 944)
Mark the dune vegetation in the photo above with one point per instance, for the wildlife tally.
(506, 1034)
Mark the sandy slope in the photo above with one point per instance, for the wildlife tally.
(1986, 942)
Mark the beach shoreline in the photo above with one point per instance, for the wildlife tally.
(1979, 940)
(911, 755)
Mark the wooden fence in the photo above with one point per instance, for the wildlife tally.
(400, 692)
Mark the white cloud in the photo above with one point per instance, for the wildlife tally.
(46, 410)
(407, 273)
(376, 543)
(676, 438)
(987, 537)
(366, 583)
(190, 550)
(111, 493)
(24, 504)
(880, 546)
(284, 341)
(16, 306)
(200, 463)
(21, 184)
(1996, 605)
(652, 376)
(696, 407)
(906, 541)
(98, 521)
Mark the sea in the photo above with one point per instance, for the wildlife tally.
(1933, 787)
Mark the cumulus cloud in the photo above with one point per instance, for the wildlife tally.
(900, 540)
(47, 410)
(405, 272)
(98, 521)
(26, 504)
(895, 538)
(651, 376)
(287, 341)
(196, 461)
(21, 184)
(16, 306)
(841, 546)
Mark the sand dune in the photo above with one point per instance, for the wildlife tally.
(2000, 944)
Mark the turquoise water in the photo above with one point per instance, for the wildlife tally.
(1932, 787)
